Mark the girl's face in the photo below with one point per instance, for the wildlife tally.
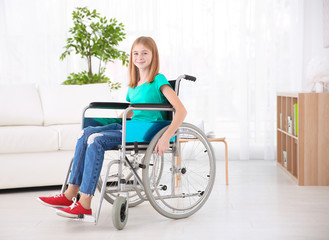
(142, 57)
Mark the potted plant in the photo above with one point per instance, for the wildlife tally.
(93, 37)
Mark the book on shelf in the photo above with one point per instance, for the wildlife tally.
(296, 119)
(289, 125)
(284, 160)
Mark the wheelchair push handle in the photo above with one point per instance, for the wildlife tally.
(186, 77)
(189, 77)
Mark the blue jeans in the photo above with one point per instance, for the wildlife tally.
(89, 155)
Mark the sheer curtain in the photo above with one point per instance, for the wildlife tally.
(241, 51)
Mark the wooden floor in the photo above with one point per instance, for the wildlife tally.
(261, 202)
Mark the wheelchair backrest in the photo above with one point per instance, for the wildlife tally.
(173, 85)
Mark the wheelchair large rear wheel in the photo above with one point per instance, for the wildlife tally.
(178, 185)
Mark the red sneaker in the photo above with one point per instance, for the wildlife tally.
(73, 211)
(58, 200)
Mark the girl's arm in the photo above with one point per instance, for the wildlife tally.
(180, 114)
(129, 114)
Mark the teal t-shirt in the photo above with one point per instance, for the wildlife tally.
(148, 93)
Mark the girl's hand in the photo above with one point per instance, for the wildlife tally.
(162, 146)
(180, 113)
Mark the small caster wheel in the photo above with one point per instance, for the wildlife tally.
(119, 213)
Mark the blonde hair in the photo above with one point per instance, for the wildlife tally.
(150, 44)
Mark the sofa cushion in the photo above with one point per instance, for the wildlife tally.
(68, 135)
(27, 139)
(64, 104)
(33, 169)
(20, 105)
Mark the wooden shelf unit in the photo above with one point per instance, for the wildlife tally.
(307, 154)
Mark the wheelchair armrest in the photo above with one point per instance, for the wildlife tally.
(109, 105)
(150, 105)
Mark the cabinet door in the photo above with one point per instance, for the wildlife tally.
(323, 140)
(313, 139)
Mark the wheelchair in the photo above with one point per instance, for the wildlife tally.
(176, 184)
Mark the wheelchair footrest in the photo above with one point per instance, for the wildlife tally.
(86, 218)
(115, 183)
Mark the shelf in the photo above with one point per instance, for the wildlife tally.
(288, 134)
(294, 178)
(287, 94)
(304, 155)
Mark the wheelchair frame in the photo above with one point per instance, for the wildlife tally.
(152, 169)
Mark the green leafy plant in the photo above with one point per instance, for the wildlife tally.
(93, 37)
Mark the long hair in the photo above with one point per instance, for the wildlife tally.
(150, 44)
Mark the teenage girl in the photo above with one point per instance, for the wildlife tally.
(146, 85)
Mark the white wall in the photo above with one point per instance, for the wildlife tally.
(242, 52)
(313, 46)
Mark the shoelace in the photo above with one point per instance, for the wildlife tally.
(74, 204)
